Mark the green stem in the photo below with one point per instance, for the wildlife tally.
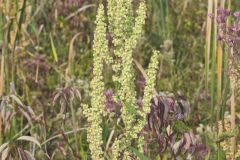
(74, 122)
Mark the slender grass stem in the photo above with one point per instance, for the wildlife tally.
(213, 62)
(60, 135)
(74, 122)
(208, 41)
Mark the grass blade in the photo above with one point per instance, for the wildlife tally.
(54, 52)
(213, 61)
(30, 139)
(140, 155)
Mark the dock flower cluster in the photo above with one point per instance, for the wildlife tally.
(95, 112)
(125, 30)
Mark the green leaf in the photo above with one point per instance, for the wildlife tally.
(180, 127)
(54, 52)
(16, 99)
(130, 109)
(225, 135)
(140, 155)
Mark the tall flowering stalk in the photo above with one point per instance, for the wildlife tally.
(150, 83)
(127, 91)
(148, 95)
(120, 17)
(95, 112)
(125, 35)
(125, 31)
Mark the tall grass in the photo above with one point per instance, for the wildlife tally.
(216, 57)
(213, 61)
(161, 18)
(232, 99)
(208, 42)
(1, 70)
(221, 70)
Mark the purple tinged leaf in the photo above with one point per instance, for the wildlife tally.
(164, 108)
(139, 102)
(162, 144)
(220, 37)
(109, 93)
(150, 122)
(233, 28)
(193, 138)
(155, 100)
(188, 141)
(111, 105)
(183, 104)
(172, 138)
(179, 116)
(201, 151)
(164, 112)
(177, 147)
(210, 15)
(141, 82)
(192, 148)
(236, 14)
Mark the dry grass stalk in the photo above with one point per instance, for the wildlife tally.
(2, 76)
(208, 40)
(71, 55)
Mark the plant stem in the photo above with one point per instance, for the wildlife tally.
(74, 127)
(232, 108)
(208, 42)
(213, 70)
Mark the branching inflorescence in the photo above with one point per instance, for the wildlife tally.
(140, 120)
(95, 112)
(125, 32)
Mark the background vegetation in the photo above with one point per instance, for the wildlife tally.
(46, 68)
